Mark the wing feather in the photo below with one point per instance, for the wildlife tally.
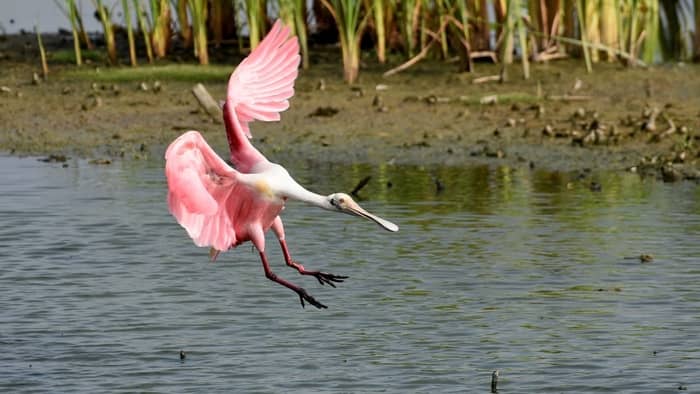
(200, 186)
(262, 84)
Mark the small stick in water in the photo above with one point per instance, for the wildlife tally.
(494, 381)
(363, 182)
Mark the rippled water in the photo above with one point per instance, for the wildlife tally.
(510, 269)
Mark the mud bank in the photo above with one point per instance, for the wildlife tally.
(644, 120)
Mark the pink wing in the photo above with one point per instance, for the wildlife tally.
(199, 185)
(264, 81)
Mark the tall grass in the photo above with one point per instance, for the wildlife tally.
(42, 54)
(108, 31)
(630, 31)
(409, 17)
(378, 8)
(129, 32)
(293, 14)
(256, 10)
(696, 45)
(74, 25)
(160, 32)
(199, 24)
(351, 18)
(140, 17)
(183, 22)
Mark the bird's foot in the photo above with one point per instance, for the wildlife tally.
(322, 277)
(327, 278)
(303, 295)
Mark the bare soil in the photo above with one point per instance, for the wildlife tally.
(633, 119)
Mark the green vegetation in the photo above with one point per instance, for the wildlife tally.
(633, 32)
(42, 53)
(172, 72)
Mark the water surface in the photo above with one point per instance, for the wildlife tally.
(510, 269)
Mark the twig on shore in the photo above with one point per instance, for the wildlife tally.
(481, 54)
(423, 53)
(568, 97)
(488, 78)
(207, 102)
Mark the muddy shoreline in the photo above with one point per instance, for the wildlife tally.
(644, 120)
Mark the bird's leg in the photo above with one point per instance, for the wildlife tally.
(257, 236)
(303, 295)
(322, 277)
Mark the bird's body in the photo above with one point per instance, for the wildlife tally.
(222, 207)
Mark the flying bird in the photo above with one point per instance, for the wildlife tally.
(221, 206)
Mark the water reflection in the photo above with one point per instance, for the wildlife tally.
(503, 268)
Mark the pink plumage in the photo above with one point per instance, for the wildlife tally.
(221, 207)
(264, 81)
(203, 191)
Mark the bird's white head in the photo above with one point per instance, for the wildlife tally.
(342, 202)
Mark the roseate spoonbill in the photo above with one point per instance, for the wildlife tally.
(222, 207)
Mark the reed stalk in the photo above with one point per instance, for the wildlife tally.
(441, 8)
(409, 14)
(255, 10)
(351, 23)
(535, 9)
(42, 54)
(130, 33)
(108, 31)
(300, 28)
(74, 25)
(183, 21)
(461, 31)
(160, 33)
(293, 14)
(77, 19)
(378, 8)
(523, 41)
(651, 29)
(513, 21)
(633, 30)
(482, 34)
(216, 20)
(507, 38)
(426, 16)
(238, 9)
(198, 9)
(569, 18)
(609, 27)
(592, 18)
(584, 43)
(696, 46)
(144, 29)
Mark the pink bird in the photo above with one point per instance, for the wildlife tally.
(222, 207)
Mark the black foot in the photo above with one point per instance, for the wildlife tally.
(326, 278)
(303, 295)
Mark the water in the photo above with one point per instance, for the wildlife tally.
(515, 270)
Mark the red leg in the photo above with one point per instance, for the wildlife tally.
(303, 295)
(322, 277)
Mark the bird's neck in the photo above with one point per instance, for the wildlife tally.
(299, 193)
(243, 153)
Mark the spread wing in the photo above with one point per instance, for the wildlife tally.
(264, 81)
(199, 185)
